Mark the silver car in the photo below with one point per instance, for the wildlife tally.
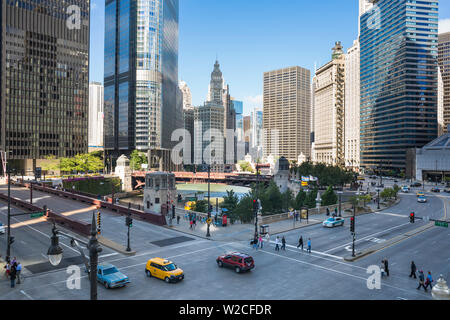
(2, 228)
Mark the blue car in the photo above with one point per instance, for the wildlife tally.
(110, 277)
(333, 222)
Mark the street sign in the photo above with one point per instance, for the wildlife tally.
(208, 221)
(37, 214)
(441, 224)
(38, 173)
(304, 184)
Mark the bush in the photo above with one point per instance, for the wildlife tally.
(94, 186)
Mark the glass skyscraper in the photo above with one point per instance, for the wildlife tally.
(142, 99)
(398, 80)
(238, 107)
(44, 81)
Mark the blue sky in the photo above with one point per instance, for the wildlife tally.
(250, 37)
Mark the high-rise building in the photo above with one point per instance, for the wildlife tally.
(329, 115)
(143, 104)
(44, 81)
(188, 117)
(256, 137)
(351, 112)
(287, 112)
(444, 65)
(238, 107)
(364, 6)
(440, 108)
(186, 94)
(95, 116)
(398, 76)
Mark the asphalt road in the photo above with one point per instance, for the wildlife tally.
(289, 274)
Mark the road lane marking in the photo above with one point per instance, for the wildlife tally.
(312, 251)
(26, 295)
(392, 214)
(108, 255)
(341, 272)
(369, 236)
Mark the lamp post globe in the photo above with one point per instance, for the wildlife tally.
(55, 252)
(441, 291)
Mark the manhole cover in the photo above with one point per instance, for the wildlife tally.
(46, 266)
(171, 241)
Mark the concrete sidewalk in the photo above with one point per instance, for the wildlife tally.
(245, 232)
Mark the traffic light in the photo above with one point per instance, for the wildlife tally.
(128, 222)
(412, 217)
(11, 240)
(99, 222)
(255, 205)
(352, 224)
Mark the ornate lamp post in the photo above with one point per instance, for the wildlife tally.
(209, 206)
(441, 291)
(378, 198)
(55, 253)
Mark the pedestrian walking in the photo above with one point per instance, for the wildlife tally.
(267, 238)
(328, 211)
(18, 270)
(386, 266)
(12, 276)
(421, 281)
(178, 219)
(413, 270)
(309, 245)
(283, 243)
(277, 244)
(260, 240)
(194, 223)
(428, 281)
(255, 243)
(8, 269)
(13, 261)
(300, 243)
(191, 224)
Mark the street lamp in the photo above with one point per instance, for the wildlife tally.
(340, 202)
(209, 199)
(441, 291)
(55, 253)
(378, 198)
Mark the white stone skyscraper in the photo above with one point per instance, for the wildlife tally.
(352, 101)
(95, 116)
(187, 96)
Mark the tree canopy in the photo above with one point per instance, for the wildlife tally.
(137, 159)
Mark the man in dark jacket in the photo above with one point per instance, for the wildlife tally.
(283, 243)
(12, 275)
(300, 243)
(386, 266)
(413, 270)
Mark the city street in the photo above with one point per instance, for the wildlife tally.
(289, 274)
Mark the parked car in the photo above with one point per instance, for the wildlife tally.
(2, 228)
(333, 222)
(436, 190)
(111, 277)
(238, 261)
(163, 269)
(422, 199)
(380, 186)
(416, 185)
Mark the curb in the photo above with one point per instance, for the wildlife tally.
(114, 246)
(388, 243)
(191, 234)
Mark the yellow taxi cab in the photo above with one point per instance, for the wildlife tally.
(163, 269)
(420, 193)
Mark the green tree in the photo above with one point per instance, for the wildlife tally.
(52, 164)
(287, 200)
(272, 200)
(329, 197)
(244, 210)
(396, 190)
(137, 159)
(245, 166)
(230, 202)
(310, 200)
(201, 206)
(299, 200)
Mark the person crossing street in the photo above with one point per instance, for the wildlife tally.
(309, 245)
(283, 243)
(429, 281)
(421, 281)
(277, 244)
(413, 270)
(300, 242)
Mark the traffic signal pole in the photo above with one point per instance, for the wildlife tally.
(128, 224)
(8, 246)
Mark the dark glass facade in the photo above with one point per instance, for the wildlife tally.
(398, 80)
(44, 80)
(142, 100)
